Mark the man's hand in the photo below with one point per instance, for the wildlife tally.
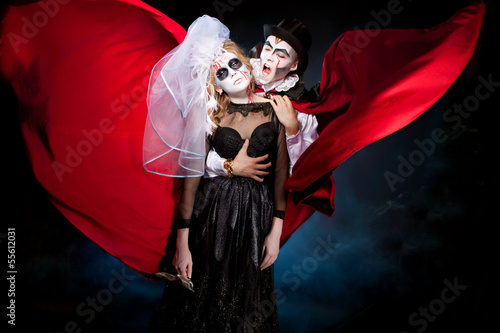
(250, 167)
(287, 115)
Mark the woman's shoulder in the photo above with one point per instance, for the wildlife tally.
(260, 99)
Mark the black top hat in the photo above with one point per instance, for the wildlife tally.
(294, 33)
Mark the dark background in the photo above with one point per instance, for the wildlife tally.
(393, 248)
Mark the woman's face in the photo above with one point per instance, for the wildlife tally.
(231, 75)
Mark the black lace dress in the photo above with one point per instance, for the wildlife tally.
(231, 219)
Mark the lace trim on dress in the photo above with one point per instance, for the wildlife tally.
(245, 109)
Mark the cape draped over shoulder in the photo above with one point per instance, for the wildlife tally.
(81, 80)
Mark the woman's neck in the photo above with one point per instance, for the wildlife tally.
(247, 99)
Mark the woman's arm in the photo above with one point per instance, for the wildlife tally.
(183, 262)
(272, 243)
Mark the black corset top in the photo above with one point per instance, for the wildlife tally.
(227, 141)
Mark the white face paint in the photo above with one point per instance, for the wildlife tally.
(276, 60)
(231, 75)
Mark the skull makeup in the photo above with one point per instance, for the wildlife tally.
(277, 59)
(231, 75)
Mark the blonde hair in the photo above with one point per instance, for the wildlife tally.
(222, 98)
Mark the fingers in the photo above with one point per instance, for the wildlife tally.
(288, 102)
(258, 175)
(260, 166)
(268, 259)
(285, 111)
(258, 179)
(244, 148)
(276, 102)
(281, 101)
(261, 158)
(185, 271)
(277, 99)
(264, 257)
(285, 103)
(183, 264)
(260, 170)
(189, 270)
(245, 145)
(181, 271)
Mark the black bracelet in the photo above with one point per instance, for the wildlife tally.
(279, 214)
(181, 224)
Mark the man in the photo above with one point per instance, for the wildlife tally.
(278, 75)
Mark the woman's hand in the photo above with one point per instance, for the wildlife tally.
(183, 262)
(272, 244)
(287, 115)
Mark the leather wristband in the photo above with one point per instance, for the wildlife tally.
(279, 214)
(181, 224)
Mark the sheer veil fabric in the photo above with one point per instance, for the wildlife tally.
(179, 103)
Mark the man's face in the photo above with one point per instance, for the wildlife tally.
(231, 75)
(277, 59)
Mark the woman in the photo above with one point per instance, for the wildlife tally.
(229, 228)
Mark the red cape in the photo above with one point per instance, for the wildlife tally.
(80, 71)
(374, 83)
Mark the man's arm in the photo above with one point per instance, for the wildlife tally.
(214, 165)
(307, 134)
(300, 128)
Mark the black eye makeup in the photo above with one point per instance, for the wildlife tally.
(235, 63)
(223, 72)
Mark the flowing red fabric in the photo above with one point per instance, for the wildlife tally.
(80, 71)
(373, 83)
